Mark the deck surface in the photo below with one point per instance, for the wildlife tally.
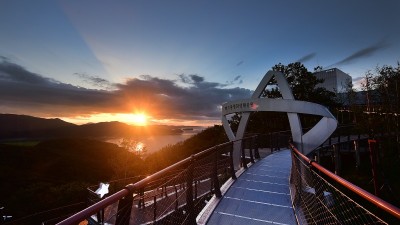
(259, 196)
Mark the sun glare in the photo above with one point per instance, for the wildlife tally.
(139, 119)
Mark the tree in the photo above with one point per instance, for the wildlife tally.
(304, 85)
(129, 160)
(367, 86)
(386, 84)
(350, 94)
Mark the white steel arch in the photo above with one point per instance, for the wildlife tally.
(305, 142)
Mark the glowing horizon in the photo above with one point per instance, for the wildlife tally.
(130, 120)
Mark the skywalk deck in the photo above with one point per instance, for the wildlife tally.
(260, 195)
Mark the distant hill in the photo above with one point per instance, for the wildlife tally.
(15, 123)
(29, 127)
(14, 126)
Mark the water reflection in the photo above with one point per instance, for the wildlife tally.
(133, 146)
(140, 147)
(150, 144)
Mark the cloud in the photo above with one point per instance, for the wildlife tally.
(15, 73)
(358, 82)
(363, 53)
(235, 80)
(239, 63)
(356, 79)
(24, 92)
(95, 81)
(196, 78)
(199, 82)
(306, 57)
(190, 79)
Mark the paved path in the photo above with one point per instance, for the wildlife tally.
(260, 195)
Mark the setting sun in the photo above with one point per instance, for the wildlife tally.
(139, 119)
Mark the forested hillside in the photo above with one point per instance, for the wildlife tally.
(56, 172)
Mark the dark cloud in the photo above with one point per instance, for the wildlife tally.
(307, 57)
(196, 78)
(13, 72)
(95, 81)
(199, 82)
(185, 79)
(191, 79)
(365, 52)
(236, 80)
(240, 63)
(25, 92)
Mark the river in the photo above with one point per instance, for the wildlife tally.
(156, 142)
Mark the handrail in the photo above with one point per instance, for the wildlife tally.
(393, 210)
(130, 188)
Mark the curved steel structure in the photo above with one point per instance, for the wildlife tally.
(305, 142)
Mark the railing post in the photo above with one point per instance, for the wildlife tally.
(176, 198)
(372, 154)
(256, 151)
(357, 152)
(336, 152)
(99, 214)
(141, 198)
(251, 147)
(270, 143)
(189, 192)
(195, 189)
(217, 189)
(318, 155)
(165, 190)
(242, 146)
(155, 208)
(124, 210)
(232, 168)
(278, 141)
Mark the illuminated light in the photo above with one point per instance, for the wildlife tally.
(254, 106)
(139, 119)
(139, 147)
(102, 190)
(131, 118)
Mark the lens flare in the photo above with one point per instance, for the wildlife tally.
(138, 119)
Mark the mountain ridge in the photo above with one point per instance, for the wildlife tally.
(15, 126)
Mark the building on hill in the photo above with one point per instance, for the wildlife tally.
(334, 80)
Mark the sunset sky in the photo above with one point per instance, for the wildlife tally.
(176, 61)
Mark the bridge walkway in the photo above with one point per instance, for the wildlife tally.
(260, 195)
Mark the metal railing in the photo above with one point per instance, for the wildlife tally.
(174, 195)
(317, 201)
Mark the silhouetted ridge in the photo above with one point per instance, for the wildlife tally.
(20, 126)
(29, 127)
